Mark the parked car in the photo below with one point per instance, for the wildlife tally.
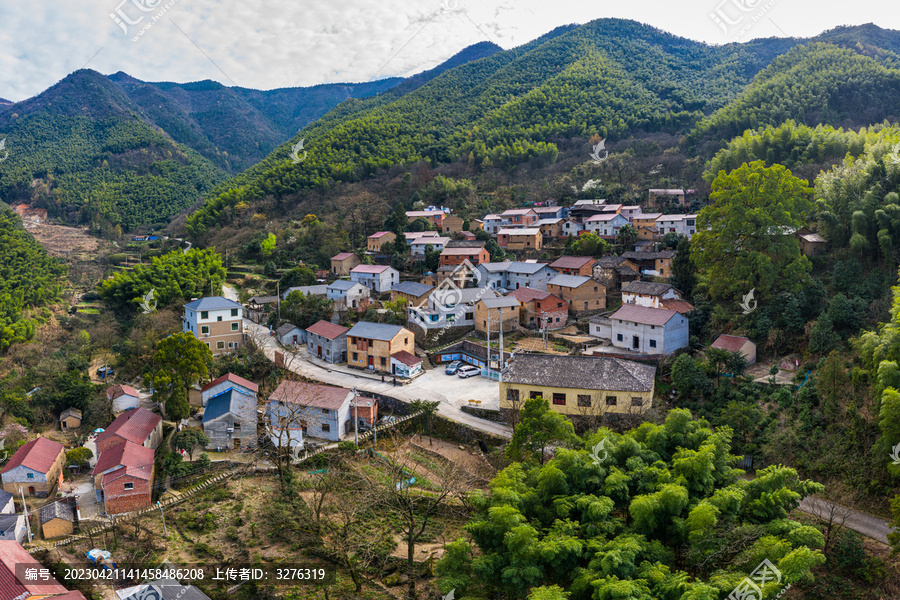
(468, 371)
(453, 367)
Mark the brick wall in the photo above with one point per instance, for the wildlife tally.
(119, 500)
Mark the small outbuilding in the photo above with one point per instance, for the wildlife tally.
(734, 343)
(70, 419)
(57, 520)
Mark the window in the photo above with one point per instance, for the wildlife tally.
(31, 476)
(653, 343)
(619, 337)
(237, 426)
(325, 411)
(208, 346)
(234, 312)
(470, 316)
(204, 314)
(383, 361)
(434, 318)
(326, 427)
(611, 400)
(219, 318)
(234, 326)
(129, 486)
(653, 327)
(637, 401)
(559, 305)
(204, 329)
(584, 400)
(512, 395)
(535, 394)
(559, 399)
(355, 357)
(220, 345)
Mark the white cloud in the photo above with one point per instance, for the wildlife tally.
(280, 43)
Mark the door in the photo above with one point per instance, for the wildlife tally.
(319, 351)
(372, 361)
(31, 491)
(237, 443)
(635, 342)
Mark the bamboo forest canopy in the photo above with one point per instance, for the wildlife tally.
(29, 279)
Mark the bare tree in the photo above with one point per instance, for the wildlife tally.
(832, 517)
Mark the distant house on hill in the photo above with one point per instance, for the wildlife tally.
(733, 343)
(123, 397)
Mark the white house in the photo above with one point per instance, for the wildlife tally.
(321, 411)
(347, 294)
(648, 330)
(492, 223)
(449, 306)
(685, 225)
(418, 245)
(12, 528)
(225, 383)
(573, 228)
(7, 505)
(123, 397)
(380, 278)
(289, 334)
(405, 364)
(646, 293)
(514, 275)
(607, 224)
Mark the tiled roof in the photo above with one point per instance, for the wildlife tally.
(233, 379)
(70, 412)
(327, 329)
(379, 234)
(428, 240)
(581, 372)
(465, 243)
(134, 425)
(643, 314)
(516, 211)
(679, 306)
(602, 217)
(647, 216)
(310, 394)
(164, 589)
(11, 555)
(648, 255)
(410, 360)
(732, 343)
(569, 281)
(5, 497)
(550, 221)
(670, 191)
(57, 510)
(609, 262)
(532, 231)
(525, 268)
(120, 390)
(285, 329)
(571, 262)
(527, 294)
(342, 256)
(126, 454)
(547, 209)
(341, 285)
(457, 251)
(648, 288)
(412, 288)
(812, 237)
(263, 300)
(375, 331)
(212, 303)
(307, 290)
(38, 455)
(375, 269)
(231, 401)
(501, 302)
(10, 522)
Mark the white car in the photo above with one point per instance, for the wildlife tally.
(468, 371)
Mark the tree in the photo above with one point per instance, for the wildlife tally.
(684, 273)
(180, 361)
(267, 246)
(744, 240)
(303, 310)
(429, 408)
(538, 427)
(189, 438)
(78, 456)
(627, 237)
(688, 378)
(297, 277)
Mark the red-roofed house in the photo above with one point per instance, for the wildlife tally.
(733, 343)
(343, 263)
(123, 478)
(405, 364)
(225, 383)
(14, 560)
(377, 239)
(327, 341)
(379, 278)
(36, 467)
(317, 410)
(455, 256)
(679, 306)
(139, 426)
(574, 265)
(541, 309)
(123, 398)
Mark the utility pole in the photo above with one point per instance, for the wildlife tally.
(355, 418)
(278, 298)
(500, 364)
(27, 516)
(488, 323)
(165, 532)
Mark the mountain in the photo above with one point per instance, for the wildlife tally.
(473, 52)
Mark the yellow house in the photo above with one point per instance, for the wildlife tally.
(371, 345)
(378, 239)
(492, 313)
(579, 385)
(451, 224)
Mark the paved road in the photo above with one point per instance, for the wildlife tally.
(451, 391)
(861, 522)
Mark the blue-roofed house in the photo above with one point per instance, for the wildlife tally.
(229, 420)
(215, 321)
(347, 294)
(514, 275)
(7, 506)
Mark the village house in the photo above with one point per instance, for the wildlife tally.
(550, 212)
(13, 528)
(413, 292)
(348, 294)
(378, 278)
(573, 228)
(456, 255)
(643, 330)
(434, 217)
(551, 229)
(492, 314)
(300, 409)
(614, 271)
(492, 223)
(327, 341)
(70, 419)
(630, 212)
(36, 467)
(578, 386)
(518, 217)
(657, 197)
(524, 238)
(584, 294)
(138, 426)
(645, 225)
(14, 560)
(467, 236)
(290, 335)
(605, 225)
(475, 225)
(229, 420)
(412, 236)
(215, 321)
(449, 306)
(811, 244)
(646, 293)
(7, 503)
(227, 382)
(514, 275)
(307, 290)
(258, 307)
(123, 477)
(342, 263)
(451, 224)
(541, 310)
(574, 265)
(611, 208)
(404, 364)
(375, 241)
(370, 345)
(734, 343)
(123, 397)
(680, 306)
(418, 246)
(57, 519)
(654, 264)
(685, 225)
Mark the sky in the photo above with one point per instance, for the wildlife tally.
(268, 44)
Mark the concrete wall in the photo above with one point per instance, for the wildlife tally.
(44, 483)
(333, 351)
(668, 338)
(219, 436)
